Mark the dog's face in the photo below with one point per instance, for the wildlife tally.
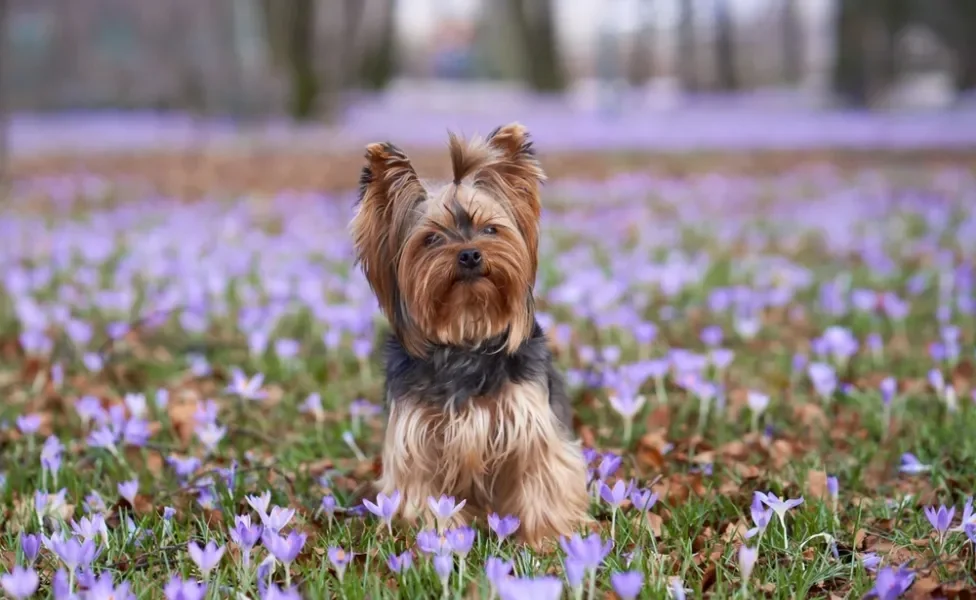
(453, 264)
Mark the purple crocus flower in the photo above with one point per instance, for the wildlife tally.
(526, 588)
(273, 592)
(277, 519)
(183, 467)
(823, 378)
(29, 424)
(911, 465)
(889, 386)
(627, 405)
(833, 488)
(940, 518)
(970, 531)
(104, 588)
(643, 500)
(90, 528)
(385, 507)
(870, 561)
(589, 551)
(285, 549)
(891, 584)
(246, 388)
(609, 464)
(779, 506)
(339, 558)
(205, 558)
(20, 582)
(460, 539)
(313, 405)
(747, 560)
(177, 589)
(400, 563)
(30, 543)
(575, 572)
(128, 490)
(497, 569)
(444, 566)
(61, 585)
(676, 589)
(627, 584)
(431, 542)
(74, 554)
(245, 535)
(760, 516)
(617, 494)
(444, 508)
(503, 526)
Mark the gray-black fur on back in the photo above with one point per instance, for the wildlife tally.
(455, 375)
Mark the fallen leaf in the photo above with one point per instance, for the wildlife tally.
(817, 484)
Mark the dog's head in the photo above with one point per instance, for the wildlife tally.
(455, 263)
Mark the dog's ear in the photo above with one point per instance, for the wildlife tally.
(517, 176)
(388, 189)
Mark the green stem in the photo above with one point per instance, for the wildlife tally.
(591, 593)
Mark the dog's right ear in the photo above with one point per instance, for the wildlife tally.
(388, 189)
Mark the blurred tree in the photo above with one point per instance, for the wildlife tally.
(640, 63)
(894, 16)
(534, 24)
(4, 10)
(954, 22)
(687, 68)
(378, 63)
(793, 41)
(290, 27)
(301, 64)
(724, 47)
(850, 76)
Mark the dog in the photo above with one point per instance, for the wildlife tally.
(475, 407)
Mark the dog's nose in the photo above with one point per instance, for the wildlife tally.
(469, 258)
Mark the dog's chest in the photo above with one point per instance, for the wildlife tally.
(485, 431)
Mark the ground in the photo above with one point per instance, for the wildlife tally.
(220, 345)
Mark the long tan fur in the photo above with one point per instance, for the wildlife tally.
(509, 455)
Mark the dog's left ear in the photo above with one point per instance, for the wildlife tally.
(517, 175)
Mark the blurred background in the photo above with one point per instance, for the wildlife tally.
(90, 76)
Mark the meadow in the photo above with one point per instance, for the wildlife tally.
(772, 373)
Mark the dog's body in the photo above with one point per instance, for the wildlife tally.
(476, 408)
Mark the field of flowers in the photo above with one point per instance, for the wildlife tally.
(773, 376)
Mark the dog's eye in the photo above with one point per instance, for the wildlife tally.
(490, 230)
(431, 239)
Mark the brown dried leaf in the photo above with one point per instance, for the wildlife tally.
(817, 484)
(811, 415)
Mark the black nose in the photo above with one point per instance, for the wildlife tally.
(469, 258)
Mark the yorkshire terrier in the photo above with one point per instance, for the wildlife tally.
(476, 409)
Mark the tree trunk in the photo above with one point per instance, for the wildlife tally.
(793, 41)
(275, 13)
(640, 63)
(725, 47)
(4, 10)
(534, 24)
(953, 22)
(687, 69)
(301, 65)
(850, 77)
(378, 64)
(965, 48)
